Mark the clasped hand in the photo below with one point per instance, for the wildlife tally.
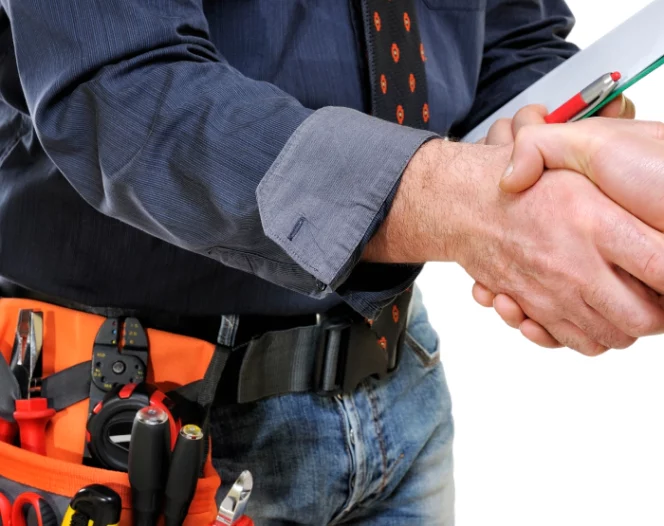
(617, 296)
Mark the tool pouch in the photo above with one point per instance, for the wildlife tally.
(68, 338)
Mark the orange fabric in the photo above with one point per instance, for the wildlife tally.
(68, 340)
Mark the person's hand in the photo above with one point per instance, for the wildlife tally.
(568, 278)
(502, 132)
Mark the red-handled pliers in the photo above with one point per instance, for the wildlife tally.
(25, 509)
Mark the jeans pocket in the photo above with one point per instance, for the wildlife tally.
(456, 5)
(428, 354)
(421, 338)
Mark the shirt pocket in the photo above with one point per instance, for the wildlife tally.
(456, 5)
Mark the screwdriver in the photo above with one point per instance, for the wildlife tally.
(183, 475)
(149, 451)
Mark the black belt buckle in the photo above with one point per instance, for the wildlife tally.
(348, 353)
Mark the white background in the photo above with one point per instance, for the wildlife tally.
(549, 437)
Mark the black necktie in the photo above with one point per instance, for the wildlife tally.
(396, 62)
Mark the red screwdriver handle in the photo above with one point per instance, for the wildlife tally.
(32, 416)
(244, 521)
(7, 431)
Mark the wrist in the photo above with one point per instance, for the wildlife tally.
(442, 205)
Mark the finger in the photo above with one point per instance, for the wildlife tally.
(627, 305)
(639, 250)
(630, 109)
(598, 329)
(528, 116)
(631, 172)
(619, 108)
(538, 334)
(500, 132)
(482, 295)
(509, 310)
(571, 336)
(570, 146)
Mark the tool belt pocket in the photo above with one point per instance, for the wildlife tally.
(174, 364)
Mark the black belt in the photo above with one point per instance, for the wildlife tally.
(328, 353)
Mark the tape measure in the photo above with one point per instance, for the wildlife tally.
(109, 424)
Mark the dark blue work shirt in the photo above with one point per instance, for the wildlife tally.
(207, 157)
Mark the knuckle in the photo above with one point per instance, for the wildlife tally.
(523, 135)
(653, 269)
(641, 323)
(593, 349)
(624, 342)
(614, 338)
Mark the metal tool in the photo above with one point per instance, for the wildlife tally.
(149, 452)
(233, 506)
(32, 413)
(25, 363)
(9, 393)
(185, 467)
(111, 421)
(27, 508)
(119, 356)
(98, 505)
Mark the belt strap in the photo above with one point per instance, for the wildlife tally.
(333, 356)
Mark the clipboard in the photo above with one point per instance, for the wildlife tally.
(635, 48)
(623, 86)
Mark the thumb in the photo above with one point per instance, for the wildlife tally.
(570, 146)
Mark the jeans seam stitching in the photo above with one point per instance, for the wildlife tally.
(425, 357)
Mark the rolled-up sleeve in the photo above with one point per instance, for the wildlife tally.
(323, 193)
(152, 126)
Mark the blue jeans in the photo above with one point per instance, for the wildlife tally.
(379, 456)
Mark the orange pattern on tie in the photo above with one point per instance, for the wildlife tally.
(383, 342)
(394, 30)
(395, 52)
(377, 20)
(395, 313)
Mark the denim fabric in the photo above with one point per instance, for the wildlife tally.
(134, 135)
(379, 456)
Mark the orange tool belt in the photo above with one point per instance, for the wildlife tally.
(68, 339)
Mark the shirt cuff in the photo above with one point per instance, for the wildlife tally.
(320, 198)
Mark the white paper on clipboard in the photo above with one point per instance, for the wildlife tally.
(629, 48)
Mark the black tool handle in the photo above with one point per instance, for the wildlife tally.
(97, 503)
(149, 452)
(183, 475)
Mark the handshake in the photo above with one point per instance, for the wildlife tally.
(560, 225)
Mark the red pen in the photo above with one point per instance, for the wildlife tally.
(587, 97)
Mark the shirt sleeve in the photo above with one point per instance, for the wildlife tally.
(153, 127)
(524, 40)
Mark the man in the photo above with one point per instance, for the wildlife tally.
(181, 160)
